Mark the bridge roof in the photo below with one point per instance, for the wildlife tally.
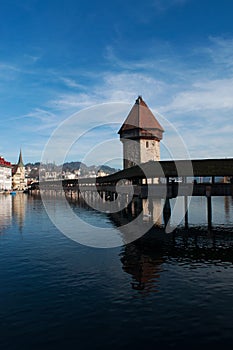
(170, 168)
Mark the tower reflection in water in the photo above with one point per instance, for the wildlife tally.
(19, 203)
(152, 210)
(144, 267)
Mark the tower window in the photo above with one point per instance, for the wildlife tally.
(147, 144)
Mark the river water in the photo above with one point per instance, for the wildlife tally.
(58, 294)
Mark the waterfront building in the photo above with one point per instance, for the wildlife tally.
(101, 173)
(19, 181)
(50, 175)
(5, 175)
(140, 134)
(68, 175)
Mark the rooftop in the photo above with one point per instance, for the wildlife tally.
(141, 117)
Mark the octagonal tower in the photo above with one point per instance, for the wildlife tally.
(140, 134)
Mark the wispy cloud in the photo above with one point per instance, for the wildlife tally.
(122, 87)
(71, 83)
(220, 51)
(203, 95)
(73, 101)
(163, 5)
(38, 113)
(9, 67)
(38, 121)
(32, 58)
(8, 71)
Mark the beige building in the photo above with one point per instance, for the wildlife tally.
(140, 134)
(18, 179)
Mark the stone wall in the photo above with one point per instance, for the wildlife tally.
(137, 152)
(149, 150)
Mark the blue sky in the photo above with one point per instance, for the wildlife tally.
(58, 57)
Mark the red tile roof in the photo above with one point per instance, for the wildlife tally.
(3, 162)
(141, 117)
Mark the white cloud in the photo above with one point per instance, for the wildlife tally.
(121, 87)
(203, 95)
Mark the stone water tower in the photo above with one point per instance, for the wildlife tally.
(140, 134)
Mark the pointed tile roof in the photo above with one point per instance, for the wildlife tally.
(20, 161)
(141, 117)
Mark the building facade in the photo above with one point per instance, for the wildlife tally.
(140, 134)
(19, 182)
(5, 175)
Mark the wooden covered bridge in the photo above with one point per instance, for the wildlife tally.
(157, 179)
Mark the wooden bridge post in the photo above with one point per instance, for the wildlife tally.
(185, 207)
(209, 211)
(209, 206)
(166, 211)
(186, 211)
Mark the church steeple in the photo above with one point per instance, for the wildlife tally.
(19, 181)
(20, 161)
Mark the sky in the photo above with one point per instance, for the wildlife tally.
(62, 57)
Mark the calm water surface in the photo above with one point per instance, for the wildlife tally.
(57, 294)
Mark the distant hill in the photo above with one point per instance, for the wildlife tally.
(68, 167)
(71, 166)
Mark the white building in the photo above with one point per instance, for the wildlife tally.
(51, 175)
(5, 175)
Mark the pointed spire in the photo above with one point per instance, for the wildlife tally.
(20, 161)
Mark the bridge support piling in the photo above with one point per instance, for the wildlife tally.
(166, 211)
(209, 206)
(209, 211)
(186, 211)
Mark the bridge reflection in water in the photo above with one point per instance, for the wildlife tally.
(145, 259)
(145, 262)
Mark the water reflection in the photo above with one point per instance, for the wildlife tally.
(55, 293)
(145, 259)
(152, 210)
(155, 211)
(19, 203)
(227, 207)
(5, 211)
(145, 268)
(12, 208)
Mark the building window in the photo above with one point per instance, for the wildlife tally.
(147, 144)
